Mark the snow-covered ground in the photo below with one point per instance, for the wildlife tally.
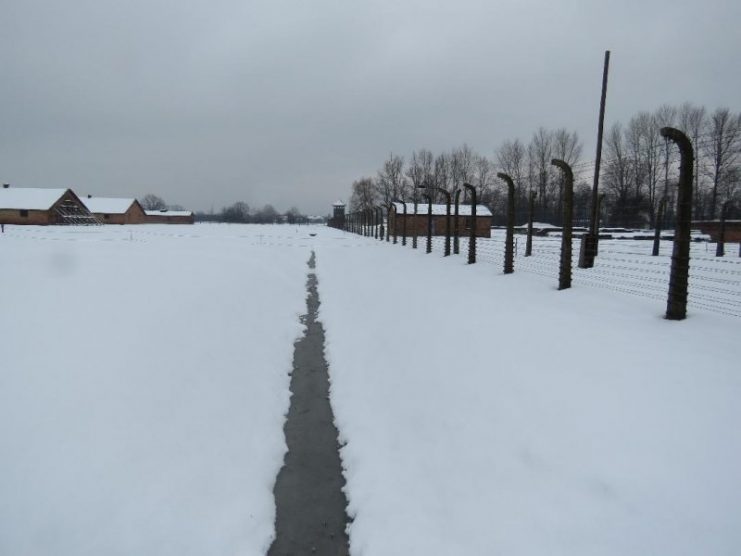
(490, 414)
(144, 385)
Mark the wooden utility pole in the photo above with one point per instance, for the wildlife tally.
(589, 240)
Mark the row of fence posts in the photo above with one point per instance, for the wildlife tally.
(370, 223)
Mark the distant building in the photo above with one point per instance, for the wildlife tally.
(439, 219)
(42, 207)
(338, 215)
(165, 216)
(110, 210)
(712, 228)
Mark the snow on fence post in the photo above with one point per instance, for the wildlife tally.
(456, 229)
(676, 306)
(720, 247)
(531, 211)
(379, 212)
(472, 240)
(564, 272)
(657, 227)
(509, 241)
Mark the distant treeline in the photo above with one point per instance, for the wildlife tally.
(639, 168)
(240, 212)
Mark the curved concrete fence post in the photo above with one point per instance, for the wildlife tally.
(676, 305)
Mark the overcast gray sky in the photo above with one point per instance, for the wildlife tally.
(287, 102)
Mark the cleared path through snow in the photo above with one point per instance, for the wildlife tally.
(311, 515)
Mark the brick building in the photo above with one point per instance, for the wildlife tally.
(169, 217)
(42, 207)
(110, 210)
(439, 219)
(712, 228)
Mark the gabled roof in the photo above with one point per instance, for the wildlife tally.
(29, 198)
(108, 205)
(441, 210)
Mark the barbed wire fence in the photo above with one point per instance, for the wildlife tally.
(625, 266)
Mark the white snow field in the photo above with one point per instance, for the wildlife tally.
(486, 414)
(144, 386)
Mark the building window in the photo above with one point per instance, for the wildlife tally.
(24, 213)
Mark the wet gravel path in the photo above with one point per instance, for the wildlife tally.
(311, 517)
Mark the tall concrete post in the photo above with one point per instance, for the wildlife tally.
(591, 239)
(414, 226)
(404, 225)
(388, 222)
(429, 223)
(472, 240)
(509, 240)
(564, 272)
(456, 228)
(676, 305)
(530, 213)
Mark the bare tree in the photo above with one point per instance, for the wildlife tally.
(420, 170)
(266, 215)
(152, 202)
(512, 160)
(442, 174)
(461, 166)
(618, 178)
(644, 145)
(722, 149)
(540, 153)
(666, 115)
(692, 120)
(483, 177)
(364, 195)
(238, 212)
(567, 147)
(391, 183)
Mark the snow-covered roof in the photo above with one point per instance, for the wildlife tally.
(166, 212)
(338, 204)
(437, 210)
(29, 198)
(539, 226)
(108, 205)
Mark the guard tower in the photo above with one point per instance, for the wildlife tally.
(338, 215)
